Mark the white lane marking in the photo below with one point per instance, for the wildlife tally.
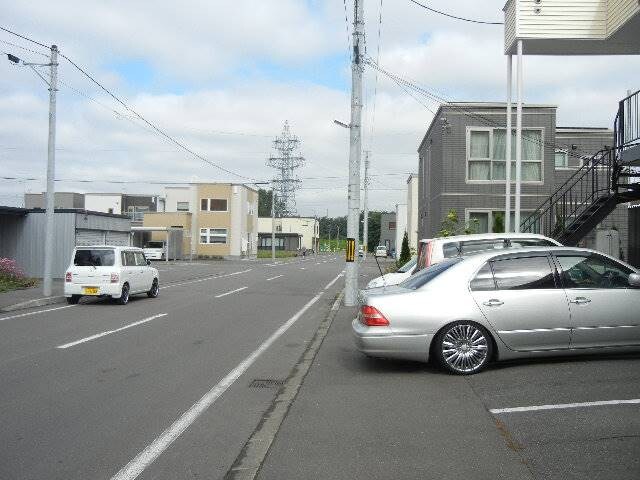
(108, 332)
(36, 313)
(558, 406)
(332, 282)
(232, 291)
(145, 458)
(213, 277)
(273, 278)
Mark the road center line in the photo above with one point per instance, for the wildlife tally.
(108, 332)
(273, 278)
(213, 277)
(558, 406)
(232, 291)
(330, 284)
(35, 313)
(145, 458)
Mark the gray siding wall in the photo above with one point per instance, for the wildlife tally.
(387, 235)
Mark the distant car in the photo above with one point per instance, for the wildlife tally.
(381, 251)
(395, 278)
(436, 250)
(467, 311)
(155, 250)
(361, 252)
(105, 271)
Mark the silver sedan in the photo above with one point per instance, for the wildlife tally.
(466, 312)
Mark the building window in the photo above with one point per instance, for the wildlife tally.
(492, 221)
(486, 154)
(392, 225)
(562, 159)
(182, 206)
(213, 235)
(213, 205)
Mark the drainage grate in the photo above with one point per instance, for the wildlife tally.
(266, 383)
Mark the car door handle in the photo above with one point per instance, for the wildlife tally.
(493, 303)
(580, 300)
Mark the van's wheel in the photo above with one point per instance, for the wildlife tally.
(73, 299)
(155, 289)
(124, 295)
(463, 348)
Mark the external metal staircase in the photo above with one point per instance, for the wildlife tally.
(610, 177)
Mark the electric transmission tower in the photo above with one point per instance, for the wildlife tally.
(286, 182)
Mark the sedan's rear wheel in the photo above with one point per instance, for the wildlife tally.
(463, 348)
(124, 295)
(155, 289)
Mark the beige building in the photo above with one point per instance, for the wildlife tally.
(219, 219)
(306, 228)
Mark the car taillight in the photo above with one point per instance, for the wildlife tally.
(372, 317)
(115, 278)
(68, 277)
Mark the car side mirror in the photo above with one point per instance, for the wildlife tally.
(634, 280)
(148, 262)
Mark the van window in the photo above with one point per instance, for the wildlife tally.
(128, 258)
(155, 245)
(140, 260)
(425, 276)
(94, 258)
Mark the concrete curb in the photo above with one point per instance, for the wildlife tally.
(249, 461)
(38, 302)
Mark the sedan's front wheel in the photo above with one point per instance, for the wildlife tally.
(463, 348)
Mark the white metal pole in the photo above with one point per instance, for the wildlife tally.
(518, 139)
(355, 148)
(273, 222)
(507, 209)
(51, 175)
(365, 235)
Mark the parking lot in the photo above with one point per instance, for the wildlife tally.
(392, 419)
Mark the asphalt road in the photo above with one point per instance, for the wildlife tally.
(87, 388)
(357, 417)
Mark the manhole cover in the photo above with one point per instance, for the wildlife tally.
(266, 383)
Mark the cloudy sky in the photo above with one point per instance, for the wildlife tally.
(223, 76)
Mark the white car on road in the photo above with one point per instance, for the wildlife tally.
(395, 278)
(105, 271)
(155, 250)
(381, 251)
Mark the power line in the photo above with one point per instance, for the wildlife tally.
(25, 38)
(24, 48)
(454, 16)
(154, 127)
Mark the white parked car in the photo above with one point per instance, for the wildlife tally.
(396, 277)
(436, 250)
(105, 271)
(155, 250)
(381, 251)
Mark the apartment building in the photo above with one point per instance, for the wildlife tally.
(218, 219)
(462, 166)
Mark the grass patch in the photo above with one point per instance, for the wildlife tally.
(279, 254)
(9, 284)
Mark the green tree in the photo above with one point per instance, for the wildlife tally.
(498, 223)
(405, 253)
(264, 203)
(451, 225)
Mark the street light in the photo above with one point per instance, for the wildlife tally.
(51, 162)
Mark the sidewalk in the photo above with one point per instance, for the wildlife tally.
(356, 417)
(31, 297)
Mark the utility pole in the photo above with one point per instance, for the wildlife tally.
(273, 222)
(51, 172)
(365, 235)
(355, 149)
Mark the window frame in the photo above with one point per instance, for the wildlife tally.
(208, 205)
(209, 235)
(491, 160)
(468, 211)
(178, 209)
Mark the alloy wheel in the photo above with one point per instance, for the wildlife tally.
(465, 348)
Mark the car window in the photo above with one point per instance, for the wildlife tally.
(593, 271)
(140, 260)
(473, 246)
(155, 245)
(423, 277)
(531, 242)
(94, 258)
(525, 273)
(483, 280)
(408, 266)
(128, 258)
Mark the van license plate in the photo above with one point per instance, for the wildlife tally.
(90, 290)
